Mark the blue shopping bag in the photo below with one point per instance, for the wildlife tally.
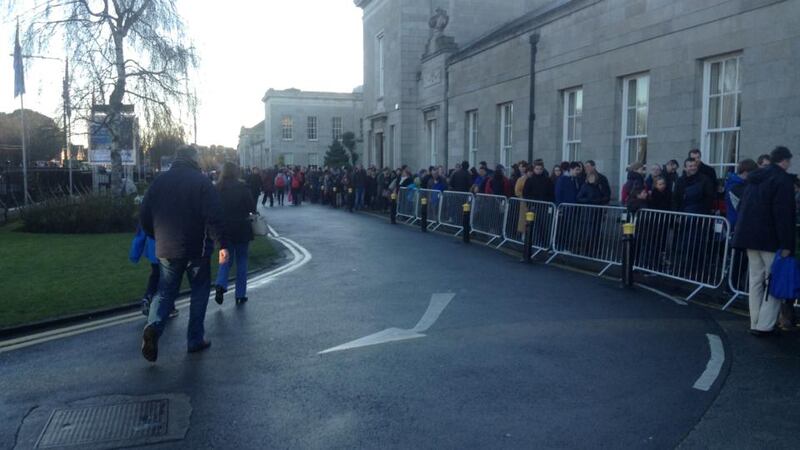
(784, 280)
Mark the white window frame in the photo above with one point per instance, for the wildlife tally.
(577, 124)
(287, 128)
(337, 128)
(288, 159)
(313, 130)
(313, 159)
(472, 136)
(707, 128)
(431, 127)
(380, 61)
(623, 160)
(506, 132)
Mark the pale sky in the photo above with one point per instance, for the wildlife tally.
(245, 48)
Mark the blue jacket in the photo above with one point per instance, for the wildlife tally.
(734, 188)
(567, 188)
(183, 212)
(142, 245)
(766, 212)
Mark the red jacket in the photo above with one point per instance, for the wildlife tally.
(508, 192)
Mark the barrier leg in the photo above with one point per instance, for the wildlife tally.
(351, 199)
(627, 254)
(423, 223)
(526, 253)
(467, 225)
(393, 210)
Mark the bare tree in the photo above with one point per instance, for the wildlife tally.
(122, 52)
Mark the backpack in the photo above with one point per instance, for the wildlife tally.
(280, 180)
(295, 182)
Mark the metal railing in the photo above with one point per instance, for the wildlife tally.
(451, 213)
(407, 204)
(514, 223)
(433, 200)
(687, 247)
(589, 232)
(738, 276)
(488, 215)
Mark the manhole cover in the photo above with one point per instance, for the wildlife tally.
(106, 424)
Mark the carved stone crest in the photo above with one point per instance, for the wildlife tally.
(438, 22)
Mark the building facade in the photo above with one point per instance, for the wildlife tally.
(252, 149)
(616, 81)
(299, 126)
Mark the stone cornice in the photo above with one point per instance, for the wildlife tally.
(362, 3)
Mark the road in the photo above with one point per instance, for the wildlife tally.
(511, 355)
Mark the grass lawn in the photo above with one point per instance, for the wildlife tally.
(45, 276)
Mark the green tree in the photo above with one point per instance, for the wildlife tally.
(336, 156)
(165, 143)
(349, 142)
(44, 139)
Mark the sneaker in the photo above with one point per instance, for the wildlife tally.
(204, 345)
(219, 294)
(145, 307)
(174, 313)
(241, 300)
(150, 343)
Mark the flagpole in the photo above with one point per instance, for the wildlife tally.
(24, 150)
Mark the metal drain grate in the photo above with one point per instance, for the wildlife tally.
(92, 425)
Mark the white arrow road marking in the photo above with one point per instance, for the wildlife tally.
(300, 257)
(714, 365)
(438, 303)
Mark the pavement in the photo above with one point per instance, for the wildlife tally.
(433, 344)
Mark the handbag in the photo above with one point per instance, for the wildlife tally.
(259, 224)
(784, 279)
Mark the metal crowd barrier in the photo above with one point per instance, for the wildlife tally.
(514, 224)
(589, 232)
(685, 247)
(738, 276)
(488, 215)
(451, 210)
(434, 202)
(407, 204)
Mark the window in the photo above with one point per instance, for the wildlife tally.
(506, 132)
(573, 117)
(380, 61)
(337, 128)
(313, 159)
(722, 111)
(635, 104)
(431, 127)
(472, 137)
(288, 159)
(287, 128)
(312, 128)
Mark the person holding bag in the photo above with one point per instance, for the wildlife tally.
(237, 206)
(765, 227)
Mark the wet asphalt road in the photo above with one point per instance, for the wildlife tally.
(522, 357)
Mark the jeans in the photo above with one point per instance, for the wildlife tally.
(152, 281)
(198, 271)
(280, 192)
(359, 204)
(238, 253)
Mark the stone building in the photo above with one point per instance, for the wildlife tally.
(613, 80)
(251, 149)
(299, 126)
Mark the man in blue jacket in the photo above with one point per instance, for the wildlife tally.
(182, 211)
(766, 226)
(568, 184)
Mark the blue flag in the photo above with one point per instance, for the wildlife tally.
(19, 69)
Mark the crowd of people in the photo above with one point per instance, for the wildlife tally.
(186, 213)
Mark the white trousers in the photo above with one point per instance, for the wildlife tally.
(763, 311)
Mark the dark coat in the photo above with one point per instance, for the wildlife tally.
(766, 212)
(708, 171)
(237, 204)
(591, 194)
(661, 201)
(635, 181)
(567, 188)
(181, 209)
(538, 187)
(694, 194)
(460, 181)
(605, 188)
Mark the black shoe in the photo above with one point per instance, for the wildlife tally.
(150, 343)
(241, 301)
(219, 295)
(199, 348)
